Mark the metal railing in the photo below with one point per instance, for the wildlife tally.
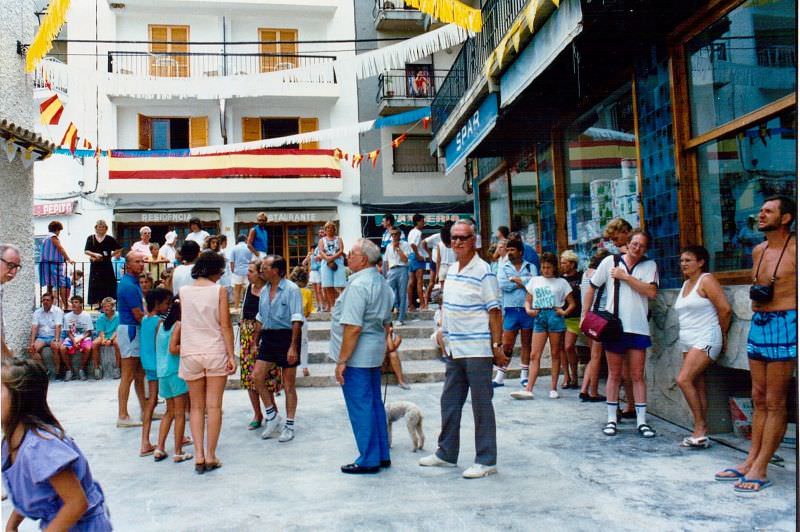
(383, 5)
(406, 84)
(777, 56)
(498, 16)
(53, 72)
(202, 64)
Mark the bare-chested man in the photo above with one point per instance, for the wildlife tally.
(772, 343)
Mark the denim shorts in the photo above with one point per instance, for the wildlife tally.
(628, 341)
(515, 319)
(548, 321)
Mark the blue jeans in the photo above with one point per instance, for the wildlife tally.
(362, 395)
(398, 281)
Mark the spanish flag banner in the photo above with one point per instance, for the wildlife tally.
(373, 157)
(50, 110)
(70, 138)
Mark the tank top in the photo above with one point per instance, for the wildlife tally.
(147, 342)
(250, 305)
(697, 317)
(331, 245)
(201, 332)
(314, 263)
(260, 239)
(166, 363)
(50, 252)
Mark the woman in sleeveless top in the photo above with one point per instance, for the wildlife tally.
(248, 330)
(704, 316)
(331, 250)
(53, 265)
(206, 347)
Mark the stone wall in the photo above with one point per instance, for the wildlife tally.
(664, 360)
(17, 21)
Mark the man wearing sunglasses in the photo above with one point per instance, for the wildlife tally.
(10, 263)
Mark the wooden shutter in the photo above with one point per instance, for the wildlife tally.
(181, 34)
(307, 125)
(198, 131)
(268, 47)
(169, 65)
(251, 129)
(157, 33)
(274, 36)
(144, 132)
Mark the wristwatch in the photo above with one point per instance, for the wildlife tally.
(496, 345)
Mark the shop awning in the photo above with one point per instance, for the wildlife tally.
(560, 29)
(181, 164)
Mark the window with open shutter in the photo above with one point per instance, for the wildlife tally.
(413, 155)
(278, 49)
(307, 125)
(144, 132)
(169, 51)
(198, 131)
(251, 129)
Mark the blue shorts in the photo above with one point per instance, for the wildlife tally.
(515, 319)
(773, 336)
(628, 341)
(150, 375)
(172, 386)
(46, 339)
(330, 278)
(548, 321)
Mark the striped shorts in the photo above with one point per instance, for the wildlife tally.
(773, 336)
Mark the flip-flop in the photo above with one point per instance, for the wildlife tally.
(210, 466)
(147, 453)
(254, 425)
(761, 485)
(188, 441)
(159, 455)
(696, 443)
(178, 458)
(737, 475)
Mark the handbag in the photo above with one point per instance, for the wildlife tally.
(601, 325)
(763, 293)
(333, 266)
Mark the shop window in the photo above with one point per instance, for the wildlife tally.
(736, 173)
(601, 171)
(744, 61)
(524, 196)
(547, 203)
(494, 203)
(412, 155)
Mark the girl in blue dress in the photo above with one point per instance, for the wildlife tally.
(46, 475)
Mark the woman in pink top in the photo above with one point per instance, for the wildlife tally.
(206, 348)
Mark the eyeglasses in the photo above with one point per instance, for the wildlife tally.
(461, 238)
(12, 265)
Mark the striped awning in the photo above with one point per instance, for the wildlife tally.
(181, 164)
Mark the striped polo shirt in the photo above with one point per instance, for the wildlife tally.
(469, 294)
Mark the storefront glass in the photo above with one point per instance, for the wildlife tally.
(497, 202)
(547, 204)
(744, 61)
(602, 180)
(524, 216)
(737, 172)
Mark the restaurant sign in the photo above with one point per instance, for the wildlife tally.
(61, 208)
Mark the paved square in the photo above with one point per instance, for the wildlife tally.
(557, 471)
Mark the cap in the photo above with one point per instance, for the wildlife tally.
(171, 237)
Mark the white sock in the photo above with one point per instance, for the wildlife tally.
(523, 375)
(641, 413)
(500, 376)
(612, 411)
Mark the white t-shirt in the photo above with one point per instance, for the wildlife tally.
(393, 257)
(47, 321)
(78, 323)
(225, 280)
(548, 292)
(182, 276)
(633, 307)
(433, 245)
(168, 252)
(198, 236)
(415, 237)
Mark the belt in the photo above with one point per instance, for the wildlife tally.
(398, 266)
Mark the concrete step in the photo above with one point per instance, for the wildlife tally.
(415, 315)
(321, 330)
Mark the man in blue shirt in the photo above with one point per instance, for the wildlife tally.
(131, 312)
(528, 253)
(280, 313)
(240, 260)
(258, 238)
(361, 318)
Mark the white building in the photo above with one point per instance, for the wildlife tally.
(202, 89)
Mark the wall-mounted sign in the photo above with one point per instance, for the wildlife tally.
(61, 208)
(164, 216)
(472, 132)
(299, 217)
(436, 219)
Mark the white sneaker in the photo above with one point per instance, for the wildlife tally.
(82, 375)
(523, 395)
(68, 375)
(98, 373)
(553, 394)
(479, 471)
(271, 427)
(287, 434)
(434, 461)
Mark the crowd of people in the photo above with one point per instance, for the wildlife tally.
(176, 335)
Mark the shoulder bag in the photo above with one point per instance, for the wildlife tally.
(601, 325)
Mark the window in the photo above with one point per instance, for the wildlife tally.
(258, 128)
(272, 128)
(169, 51)
(524, 197)
(412, 155)
(601, 171)
(494, 203)
(278, 49)
(172, 133)
(547, 204)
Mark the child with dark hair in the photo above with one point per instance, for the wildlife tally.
(46, 474)
(158, 301)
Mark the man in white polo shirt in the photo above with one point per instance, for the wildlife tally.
(472, 326)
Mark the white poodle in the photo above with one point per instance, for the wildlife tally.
(413, 415)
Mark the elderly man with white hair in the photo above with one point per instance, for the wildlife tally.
(361, 318)
(10, 263)
(472, 327)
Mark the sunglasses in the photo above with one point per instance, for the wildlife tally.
(461, 238)
(12, 265)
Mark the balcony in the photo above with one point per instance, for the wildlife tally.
(394, 15)
(51, 70)
(405, 90)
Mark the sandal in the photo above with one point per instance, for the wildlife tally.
(696, 443)
(646, 431)
(210, 466)
(147, 452)
(729, 475)
(178, 458)
(610, 429)
(159, 455)
(758, 485)
(253, 425)
(199, 468)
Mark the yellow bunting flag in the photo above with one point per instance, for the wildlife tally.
(86, 144)
(357, 158)
(373, 157)
(453, 11)
(50, 25)
(50, 110)
(70, 137)
(530, 13)
(337, 154)
(399, 140)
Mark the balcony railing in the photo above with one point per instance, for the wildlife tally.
(190, 64)
(382, 5)
(421, 84)
(777, 56)
(498, 16)
(52, 71)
